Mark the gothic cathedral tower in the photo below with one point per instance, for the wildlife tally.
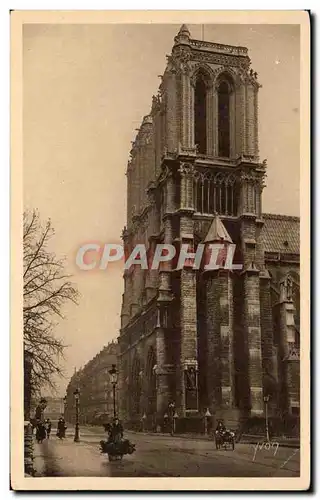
(194, 337)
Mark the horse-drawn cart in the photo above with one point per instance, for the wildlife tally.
(225, 439)
(116, 450)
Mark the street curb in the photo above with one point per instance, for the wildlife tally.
(167, 434)
(243, 440)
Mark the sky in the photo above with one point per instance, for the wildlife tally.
(86, 89)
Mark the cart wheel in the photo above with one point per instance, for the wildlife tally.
(110, 458)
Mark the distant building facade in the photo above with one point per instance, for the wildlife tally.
(96, 393)
(54, 408)
(219, 339)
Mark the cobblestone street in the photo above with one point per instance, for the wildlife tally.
(161, 456)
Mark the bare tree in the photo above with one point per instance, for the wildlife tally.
(46, 288)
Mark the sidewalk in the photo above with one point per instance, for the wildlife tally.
(55, 458)
(245, 438)
(38, 460)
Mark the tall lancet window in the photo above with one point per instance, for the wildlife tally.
(224, 118)
(200, 113)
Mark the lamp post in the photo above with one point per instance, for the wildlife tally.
(143, 419)
(114, 379)
(207, 415)
(165, 422)
(171, 408)
(175, 416)
(77, 398)
(105, 386)
(266, 401)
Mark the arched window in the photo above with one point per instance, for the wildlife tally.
(212, 197)
(224, 118)
(206, 193)
(223, 188)
(216, 193)
(200, 113)
(199, 195)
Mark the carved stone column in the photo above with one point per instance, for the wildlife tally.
(192, 117)
(123, 380)
(165, 270)
(161, 375)
(171, 115)
(252, 329)
(186, 121)
(233, 124)
(220, 364)
(250, 120)
(256, 124)
(215, 131)
(288, 351)
(157, 135)
(210, 120)
(240, 119)
(187, 396)
(269, 362)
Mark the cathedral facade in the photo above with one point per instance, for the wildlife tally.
(224, 340)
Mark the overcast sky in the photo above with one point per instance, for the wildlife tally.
(86, 89)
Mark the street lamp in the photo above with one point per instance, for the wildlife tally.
(114, 379)
(171, 408)
(175, 416)
(143, 419)
(77, 398)
(266, 401)
(207, 415)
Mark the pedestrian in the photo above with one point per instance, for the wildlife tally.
(61, 430)
(221, 427)
(48, 427)
(116, 433)
(39, 414)
(40, 432)
(39, 420)
(107, 428)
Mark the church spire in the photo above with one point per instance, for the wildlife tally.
(184, 30)
(183, 37)
(217, 232)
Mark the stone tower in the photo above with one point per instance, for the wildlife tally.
(189, 336)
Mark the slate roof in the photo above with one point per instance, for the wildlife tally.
(281, 233)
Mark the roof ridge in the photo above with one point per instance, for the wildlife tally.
(281, 216)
